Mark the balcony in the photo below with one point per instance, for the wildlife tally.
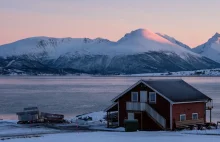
(135, 106)
(189, 122)
(209, 105)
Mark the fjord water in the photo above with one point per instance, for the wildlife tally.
(73, 95)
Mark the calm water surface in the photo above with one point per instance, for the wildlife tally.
(71, 95)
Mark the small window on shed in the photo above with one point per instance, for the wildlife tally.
(152, 96)
(134, 96)
(182, 117)
(194, 116)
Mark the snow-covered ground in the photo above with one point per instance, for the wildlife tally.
(119, 137)
(205, 72)
(10, 128)
(96, 116)
(202, 132)
(96, 121)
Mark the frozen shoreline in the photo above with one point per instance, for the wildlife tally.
(117, 137)
(12, 129)
(193, 73)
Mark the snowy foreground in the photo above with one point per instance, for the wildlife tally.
(11, 128)
(12, 132)
(119, 137)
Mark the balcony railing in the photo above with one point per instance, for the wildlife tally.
(137, 106)
(189, 122)
(160, 119)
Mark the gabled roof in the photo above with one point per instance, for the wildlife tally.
(113, 107)
(177, 90)
(27, 113)
(121, 94)
(173, 90)
(30, 108)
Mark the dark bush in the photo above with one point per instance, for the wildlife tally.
(131, 125)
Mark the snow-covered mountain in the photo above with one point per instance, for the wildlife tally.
(54, 47)
(140, 51)
(138, 41)
(210, 49)
(173, 40)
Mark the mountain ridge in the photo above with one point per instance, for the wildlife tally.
(173, 40)
(139, 51)
(211, 48)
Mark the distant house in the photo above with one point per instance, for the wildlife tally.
(29, 114)
(161, 105)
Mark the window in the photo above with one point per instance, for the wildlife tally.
(182, 117)
(130, 116)
(194, 116)
(152, 97)
(143, 96)
(134, 96)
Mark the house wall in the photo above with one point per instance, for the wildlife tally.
(28, 117)
(162, 106)
(188, 109)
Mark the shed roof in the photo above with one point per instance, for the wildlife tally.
(113, 107)
(30, 108)
(177, 90)
(27, 113)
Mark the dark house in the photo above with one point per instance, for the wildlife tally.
(33, 115)
(161, 105)
(29, 114)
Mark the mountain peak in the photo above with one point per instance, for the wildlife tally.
(140, 33)
(215, 38)
(101, 40)
(211, 48)
(143, 34)
(216, 34)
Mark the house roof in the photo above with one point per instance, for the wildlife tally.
(177, 90)
(30, 108)
(27, 113)
(174, 90)
(113, 107)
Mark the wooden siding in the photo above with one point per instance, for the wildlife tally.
(189, 122)
(162, 106)
(188, 109)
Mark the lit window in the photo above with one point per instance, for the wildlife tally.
(134, 96)
(152, 97)
(182, 117)
(194, 116)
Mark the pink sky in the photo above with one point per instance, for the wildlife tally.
(190, 22)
